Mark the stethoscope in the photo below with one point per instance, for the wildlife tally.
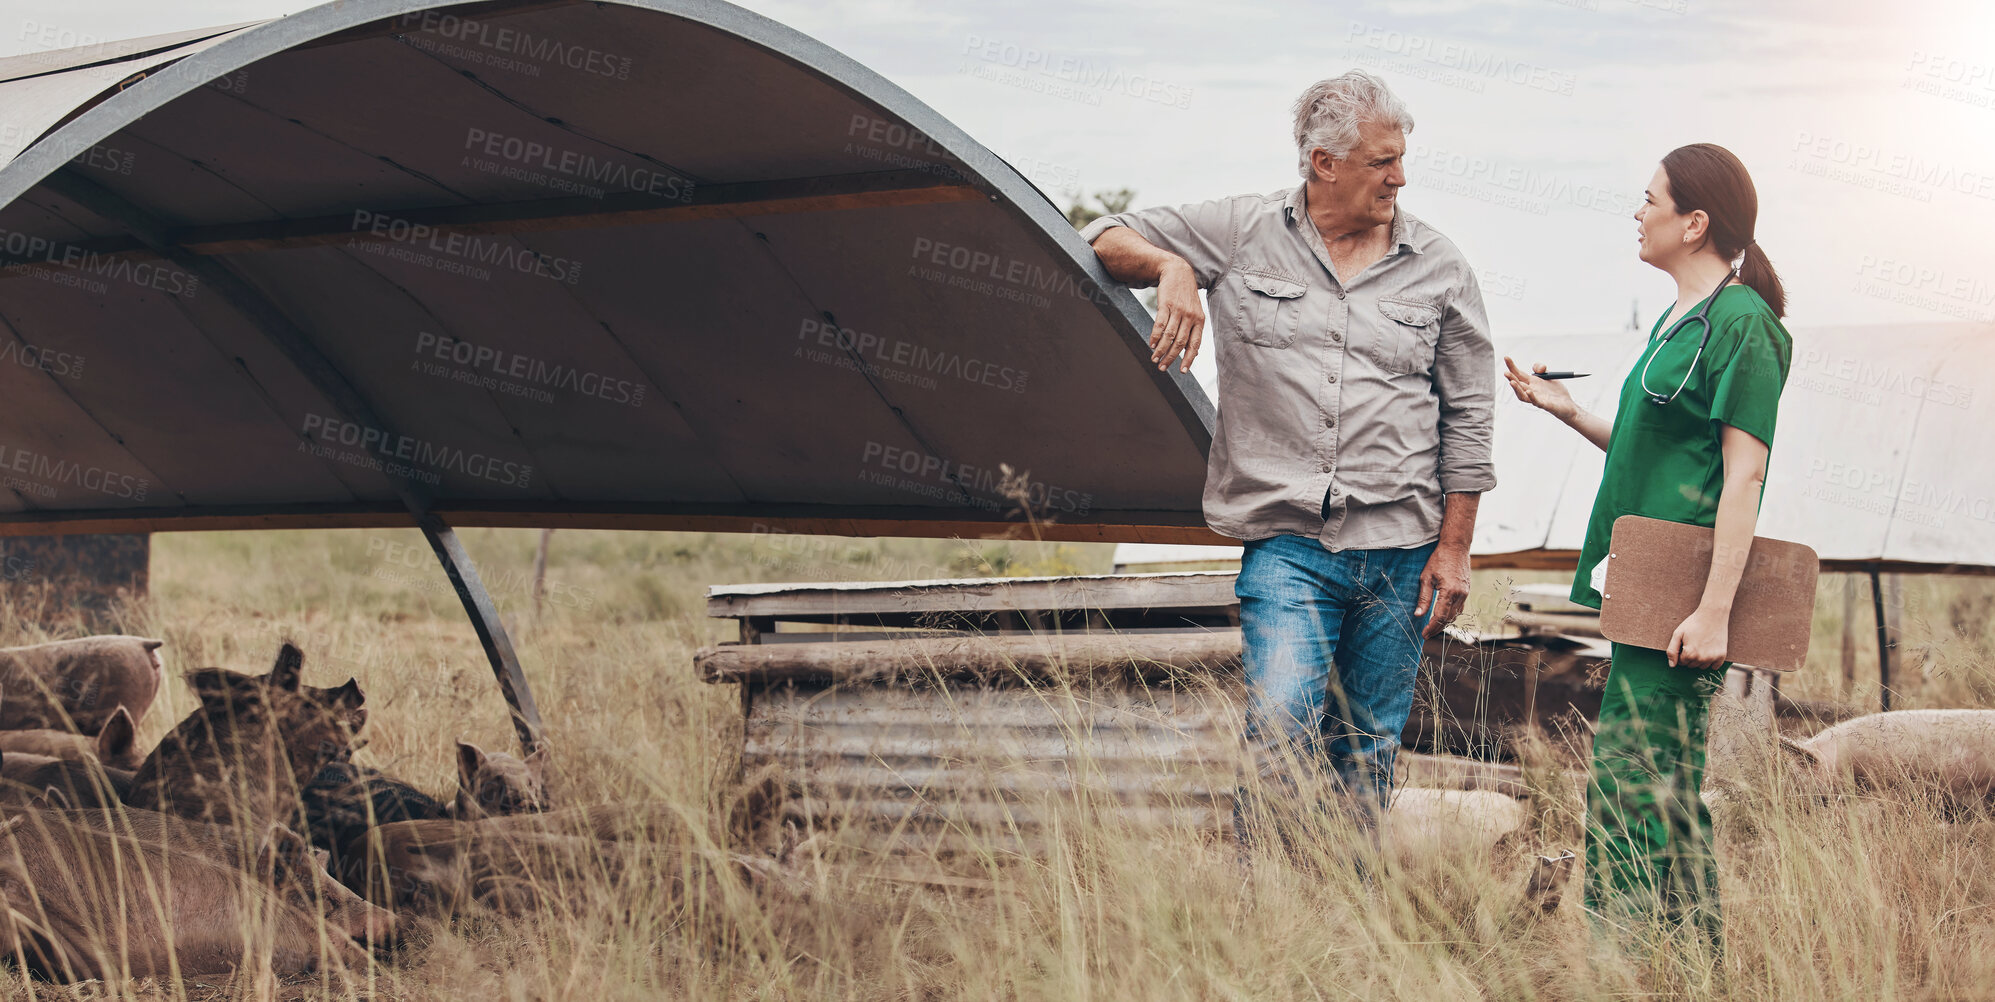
(1702, 316)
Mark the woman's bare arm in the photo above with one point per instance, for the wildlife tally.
(1550, 396)
(1701, 640)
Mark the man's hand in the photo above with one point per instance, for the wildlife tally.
(1444, 584)
(1180, 326)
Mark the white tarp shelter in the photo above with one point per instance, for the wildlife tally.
(1877, 461)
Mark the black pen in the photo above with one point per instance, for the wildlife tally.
(1560, 375)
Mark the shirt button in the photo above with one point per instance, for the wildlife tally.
(1340, 293)
(1333, 377)
(1336, 337)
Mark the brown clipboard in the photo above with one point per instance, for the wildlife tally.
(1655, 579)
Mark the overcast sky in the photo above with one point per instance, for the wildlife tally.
(1869, 128)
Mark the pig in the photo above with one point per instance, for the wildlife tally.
(1423, 821)
(80, 783)
(499, 785)
(1948, 754)
(501, 863)
(102, 894)
(116, 744)
(345, 800)
(74, 685)
(243, 755)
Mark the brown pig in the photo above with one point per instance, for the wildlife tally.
(498, 784)
(76, 684)
(99, 894)
(508, 863)
(76, 783)
(116, 744)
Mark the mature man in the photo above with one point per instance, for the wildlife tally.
(1356, 382)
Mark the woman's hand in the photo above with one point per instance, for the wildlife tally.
(1548, 395)
(1700, 641)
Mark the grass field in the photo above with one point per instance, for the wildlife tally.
(1868, 898)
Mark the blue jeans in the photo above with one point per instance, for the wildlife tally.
(1331, 651)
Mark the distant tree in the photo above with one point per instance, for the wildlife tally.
(1080, 213)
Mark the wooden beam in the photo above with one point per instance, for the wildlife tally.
(1120, 527)
(1077, 657)
(425, 225)
(1211, 590)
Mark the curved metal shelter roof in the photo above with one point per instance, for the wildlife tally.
(630, 264)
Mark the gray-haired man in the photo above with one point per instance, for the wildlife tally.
(1356, 382)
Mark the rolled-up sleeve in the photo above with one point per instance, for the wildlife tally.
(1205, 234)
(1465, 382)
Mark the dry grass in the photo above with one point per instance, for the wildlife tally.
(1863, 898)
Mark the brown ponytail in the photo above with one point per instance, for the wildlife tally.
(1707, 176)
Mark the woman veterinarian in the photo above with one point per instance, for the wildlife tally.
(1688, 444)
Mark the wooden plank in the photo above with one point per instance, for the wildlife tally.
(1062, 657)
(1564, 622)
(416, 224)
(1183, 590)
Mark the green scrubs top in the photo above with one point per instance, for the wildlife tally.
(1664, 461)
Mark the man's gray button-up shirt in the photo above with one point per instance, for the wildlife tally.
(1381, 385)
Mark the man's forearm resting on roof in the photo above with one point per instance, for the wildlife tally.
(1132, 260)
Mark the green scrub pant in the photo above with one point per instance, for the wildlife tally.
(1648, 833)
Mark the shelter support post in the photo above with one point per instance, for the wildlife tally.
(1883, 643)
(491, 632)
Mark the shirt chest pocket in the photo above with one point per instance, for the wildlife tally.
(1406, 335)
(1270, 313)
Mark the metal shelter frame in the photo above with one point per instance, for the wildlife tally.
(980, 176)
